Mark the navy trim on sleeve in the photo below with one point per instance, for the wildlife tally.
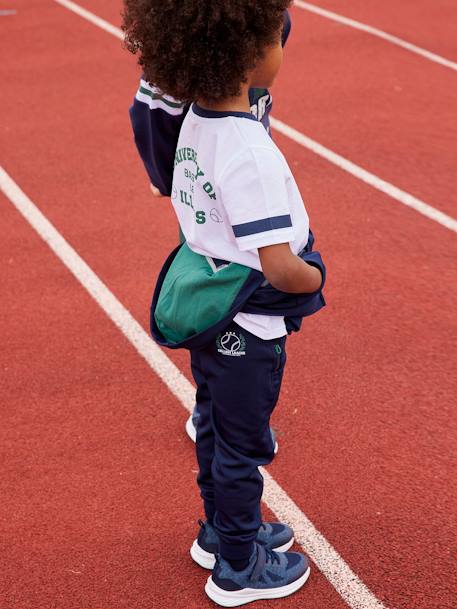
(261, 226)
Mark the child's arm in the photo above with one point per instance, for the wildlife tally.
(156, 121)
(257, 196)
(287, 272)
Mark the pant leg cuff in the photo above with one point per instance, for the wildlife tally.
(230, 551)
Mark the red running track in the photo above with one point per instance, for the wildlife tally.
(430, 25)
(100, 503)
(384, 108)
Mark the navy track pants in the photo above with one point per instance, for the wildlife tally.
(238, 379)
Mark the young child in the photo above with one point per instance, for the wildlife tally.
(156, 121)
(245, 226)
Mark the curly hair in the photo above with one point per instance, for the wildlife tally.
(200, 49)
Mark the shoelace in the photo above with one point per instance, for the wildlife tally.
(272, 556)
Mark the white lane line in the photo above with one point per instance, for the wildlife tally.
(362, 174)
(363, 27)
(98, 21)
(330, 563)
(369, 178)
(132, 330)
(323, 554)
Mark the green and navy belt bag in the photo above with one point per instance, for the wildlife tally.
(196, 297)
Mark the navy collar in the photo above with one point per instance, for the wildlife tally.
(199, 111)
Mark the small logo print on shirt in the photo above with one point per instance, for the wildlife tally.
(232, 344)
(215, 216)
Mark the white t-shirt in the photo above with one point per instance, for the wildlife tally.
(233, 192)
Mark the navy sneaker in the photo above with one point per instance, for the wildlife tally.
(191, 428)
(268, 575)
(271, 535)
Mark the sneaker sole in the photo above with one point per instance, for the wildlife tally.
(190, 429)
(207, 560)
(226, 598)
(192, 432)
(203, 558)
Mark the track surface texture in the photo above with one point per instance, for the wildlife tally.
(99, 501)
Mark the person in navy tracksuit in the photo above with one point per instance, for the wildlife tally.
(243, 278)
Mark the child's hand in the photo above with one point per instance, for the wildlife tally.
(155, 191)
(287, 272)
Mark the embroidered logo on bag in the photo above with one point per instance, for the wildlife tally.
(231, 344)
